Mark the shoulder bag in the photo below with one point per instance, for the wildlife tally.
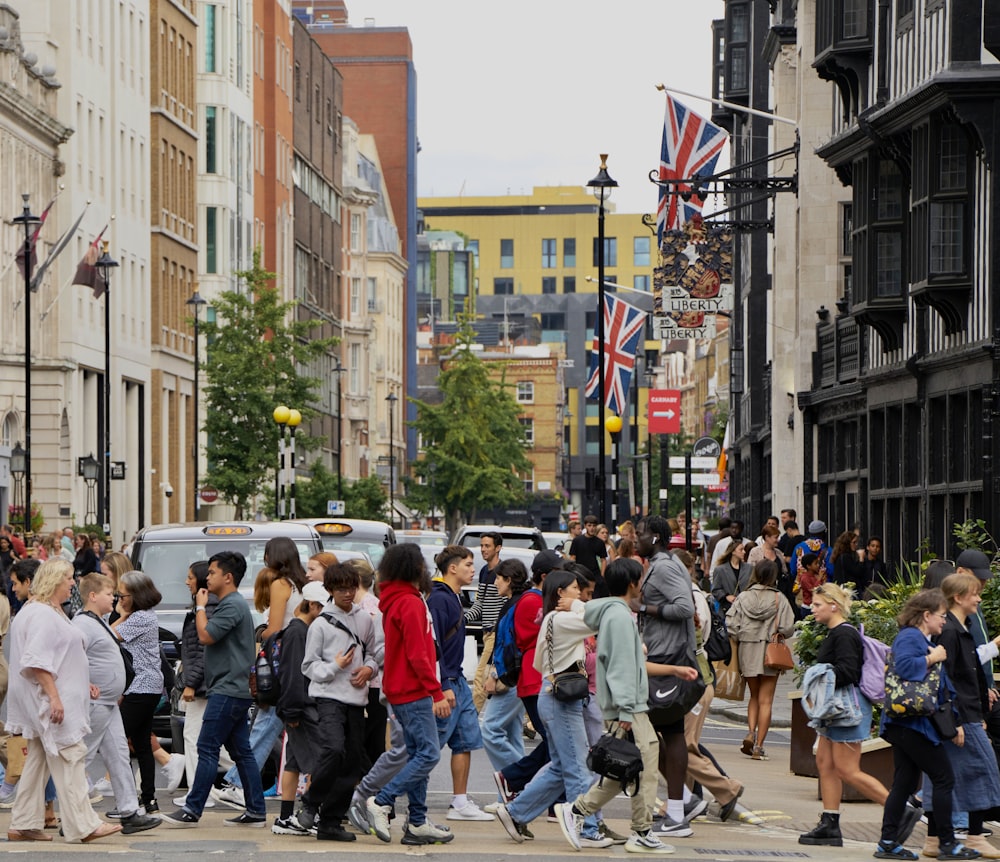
(911, 697)
(618, 758)
(567, 685)
(777, 655)
(126, 655)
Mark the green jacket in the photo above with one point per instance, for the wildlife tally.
(622, 684)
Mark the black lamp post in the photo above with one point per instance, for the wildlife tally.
(90, 470)
(29, 220)
(106, 263)
(18, 466)
(196, 302)
(602, 185)
(392, 399)
(337, 371)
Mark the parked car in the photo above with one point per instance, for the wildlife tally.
(555, 540)
(513, 537)
(353, 534)
(423, 537)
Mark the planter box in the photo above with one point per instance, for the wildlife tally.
(876, 753)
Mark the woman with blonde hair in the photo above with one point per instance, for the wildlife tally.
(838, 749)
(48, 703)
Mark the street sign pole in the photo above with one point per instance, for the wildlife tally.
(687, 501)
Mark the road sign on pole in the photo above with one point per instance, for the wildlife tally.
(677, 462)
(335, 508)
(701, 479)
(664, 411)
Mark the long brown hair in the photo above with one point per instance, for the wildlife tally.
(282, 561)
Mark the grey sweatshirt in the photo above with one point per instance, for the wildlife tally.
(668, 637)
(326, 641)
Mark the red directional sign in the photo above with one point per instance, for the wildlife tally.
(664, 411)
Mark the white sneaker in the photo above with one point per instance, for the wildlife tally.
(649, 844)
(378, 820)
(595, 842)
(168, 776)
(181, 801)
(231, 796)
(570, 823)
(425, 833)
(492, 808)
(469, 811)
(103, 787)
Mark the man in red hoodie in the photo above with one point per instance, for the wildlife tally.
(411, 686)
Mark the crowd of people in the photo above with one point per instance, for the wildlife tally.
(572, 649)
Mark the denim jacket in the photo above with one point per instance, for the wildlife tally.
(824, 703)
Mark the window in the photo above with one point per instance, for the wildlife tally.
(947, 210)
(549, 284)
(553, 320)
(569, 252)
(372, 293)
(355, 232)
(548, 254)
(610, 251)
(640, 251)
(903, 8)
(355, 297)
(855, 19)
(503, 286)
(846, 229)
(528, 427)
(210, 140)
(640, 282)
(354, 375)
(737, 46)
(209, 25)
(947, 232)
(569, 284)
(460, 275)
(473, 246)
(211, 240)
(506, 254)
(525, 392)
(298, 82)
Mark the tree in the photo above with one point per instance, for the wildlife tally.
(474, 443)
(255, 348)
(366, 498)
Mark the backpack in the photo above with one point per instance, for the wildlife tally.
(875, 656)
(506, 656)
(718, 647)
(266, 683)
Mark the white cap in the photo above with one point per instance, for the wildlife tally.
(314, 591)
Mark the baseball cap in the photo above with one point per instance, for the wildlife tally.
(545, 562)
(975, 561)
(314, 591)
(816, 527)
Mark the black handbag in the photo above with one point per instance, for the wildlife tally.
(567, 685)
(717, 647)
(671, 698)
(617, 758)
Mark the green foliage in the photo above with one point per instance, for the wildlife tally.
(973, 534)
(311, 494)
(474, 442)
(255, 350)
(366, 498)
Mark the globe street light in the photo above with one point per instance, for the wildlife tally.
(602, 185)
(280, 415)
(106, 263)
(196, 302)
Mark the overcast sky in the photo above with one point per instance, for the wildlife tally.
(517, 94)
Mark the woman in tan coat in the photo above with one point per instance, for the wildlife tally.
(752, 619)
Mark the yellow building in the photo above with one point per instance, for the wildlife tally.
(534, 256)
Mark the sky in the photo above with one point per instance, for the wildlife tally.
(517, 94)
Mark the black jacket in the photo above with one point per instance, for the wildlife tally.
(965, 671)
(193, 650)
(293, 698)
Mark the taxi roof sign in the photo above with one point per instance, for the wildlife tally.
(333, 528)
(228, 530)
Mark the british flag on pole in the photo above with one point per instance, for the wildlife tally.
(623, 326)
(690, 145)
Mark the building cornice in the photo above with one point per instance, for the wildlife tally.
(14, 103)
(184, 127)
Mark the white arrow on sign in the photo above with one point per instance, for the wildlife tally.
(697, 463)
(669, 414)
(696, 479)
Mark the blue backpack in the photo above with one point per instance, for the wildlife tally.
(506, 656)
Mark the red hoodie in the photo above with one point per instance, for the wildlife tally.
(410, 661)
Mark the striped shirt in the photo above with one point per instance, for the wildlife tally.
(488, 604)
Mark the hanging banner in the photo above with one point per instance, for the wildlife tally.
(694, 281)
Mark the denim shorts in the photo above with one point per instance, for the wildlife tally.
(856, 732)
(460, 730)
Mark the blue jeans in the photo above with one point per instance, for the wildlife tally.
(225, 723)
(267, 727)
(566, 770)
(420, 734)
(502, 729)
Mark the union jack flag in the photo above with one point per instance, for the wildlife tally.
(691, 145)
(623, 325)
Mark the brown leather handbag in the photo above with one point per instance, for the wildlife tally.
(777, 655)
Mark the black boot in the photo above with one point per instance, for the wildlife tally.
(826, 833)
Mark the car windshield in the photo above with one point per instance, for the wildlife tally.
(374, 549)
(167, 563)
(471, 540)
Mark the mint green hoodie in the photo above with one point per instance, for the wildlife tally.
(622, 684)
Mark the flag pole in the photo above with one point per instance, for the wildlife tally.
(45, 313)
(731, 105)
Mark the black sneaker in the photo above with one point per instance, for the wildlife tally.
(139, 823)
(258, 821)
(151, 807)
(180, 819)
(334, 832)
(288, 826)
(306, 817)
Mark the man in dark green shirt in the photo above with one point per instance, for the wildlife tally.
(229, 654)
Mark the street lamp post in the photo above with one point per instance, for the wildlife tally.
(281, 415)
(392, 399)
(614, 426)
(106, 263)
(29, 220)
(602, 185)
(294, 420)
(91, 470)
(337, 371)
(18, 468)
(196, 302)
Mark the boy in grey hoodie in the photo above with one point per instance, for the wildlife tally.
(622, 693)
(342, 654)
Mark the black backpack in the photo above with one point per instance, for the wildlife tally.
(266, 686)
